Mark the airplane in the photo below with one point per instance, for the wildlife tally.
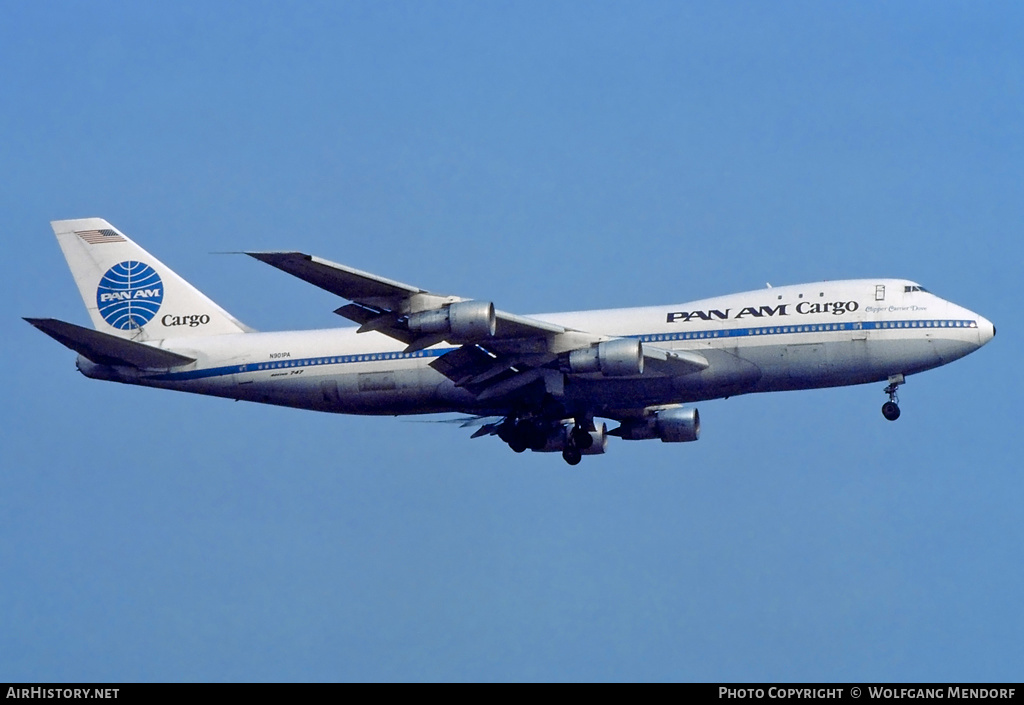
(539, 382)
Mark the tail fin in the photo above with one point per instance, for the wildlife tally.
(131, 294)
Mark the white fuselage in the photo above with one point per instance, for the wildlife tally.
(793, 337)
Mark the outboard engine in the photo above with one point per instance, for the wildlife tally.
(464, 321)
(671, 425)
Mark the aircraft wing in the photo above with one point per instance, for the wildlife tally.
(498, 352)
(346, 282)
(380, 303)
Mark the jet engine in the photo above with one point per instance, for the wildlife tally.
(622, 357)
(672, 425)
(463, 321)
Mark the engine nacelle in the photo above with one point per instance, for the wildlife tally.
(675, 425)
(678, 425)
(622, 357)
(463, 321)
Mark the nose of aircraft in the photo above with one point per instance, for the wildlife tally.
(986, 331)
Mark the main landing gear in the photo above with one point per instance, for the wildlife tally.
(544, 434)
(580, 436)
(891, 408)
(578, 440)
(526, 433)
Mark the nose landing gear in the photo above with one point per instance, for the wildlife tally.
(891, 408)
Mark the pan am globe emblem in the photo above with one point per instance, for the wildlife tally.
(129, 295)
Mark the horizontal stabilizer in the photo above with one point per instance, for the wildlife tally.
(105, 349)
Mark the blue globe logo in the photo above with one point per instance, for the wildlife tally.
(129, 295)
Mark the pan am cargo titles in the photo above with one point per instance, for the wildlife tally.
(836, 308)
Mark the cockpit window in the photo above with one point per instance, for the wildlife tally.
(915, 287)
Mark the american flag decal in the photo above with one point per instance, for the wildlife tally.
(99, 237)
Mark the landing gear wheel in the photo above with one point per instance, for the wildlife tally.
(517, 445)
(581, 438)
(572, 455)
(891, 410)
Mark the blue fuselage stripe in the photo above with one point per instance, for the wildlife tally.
(782, 329)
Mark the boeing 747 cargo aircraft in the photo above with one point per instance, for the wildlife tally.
(542, 382)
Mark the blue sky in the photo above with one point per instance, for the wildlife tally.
(546, 156)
